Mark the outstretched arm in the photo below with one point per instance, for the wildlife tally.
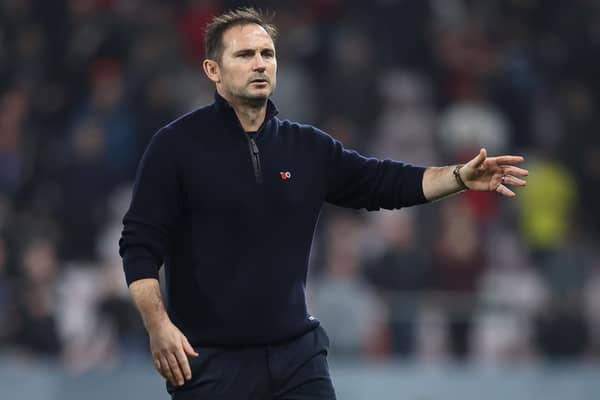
(482, 173)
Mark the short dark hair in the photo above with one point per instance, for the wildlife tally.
(213, 36)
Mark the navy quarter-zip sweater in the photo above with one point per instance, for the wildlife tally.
(232, 217)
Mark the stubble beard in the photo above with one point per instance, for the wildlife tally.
(253, 101)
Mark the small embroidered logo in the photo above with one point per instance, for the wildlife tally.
(285, 175)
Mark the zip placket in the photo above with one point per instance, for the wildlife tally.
(255, 156)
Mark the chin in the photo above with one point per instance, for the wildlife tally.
(266, 92)
(258, 96)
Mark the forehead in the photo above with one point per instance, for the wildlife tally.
(249, 36)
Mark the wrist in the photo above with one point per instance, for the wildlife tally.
(458, 177)
(156, 321)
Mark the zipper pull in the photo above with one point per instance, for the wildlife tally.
(254, 146)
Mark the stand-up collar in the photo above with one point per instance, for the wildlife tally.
(225, 108)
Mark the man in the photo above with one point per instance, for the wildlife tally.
(228, 197)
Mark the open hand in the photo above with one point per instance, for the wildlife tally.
(170, 349)
(488, 174)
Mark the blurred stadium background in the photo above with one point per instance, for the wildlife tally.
(472, 297)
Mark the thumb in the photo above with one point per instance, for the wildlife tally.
(479, 159)
(187, 347)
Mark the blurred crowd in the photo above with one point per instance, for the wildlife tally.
(84, 84)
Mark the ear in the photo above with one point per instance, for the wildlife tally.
(211, 69)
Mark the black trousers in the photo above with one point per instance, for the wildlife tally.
(294, 370)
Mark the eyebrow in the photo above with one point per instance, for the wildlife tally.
(246, 51)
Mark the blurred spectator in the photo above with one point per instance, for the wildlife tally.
(511, 296)
(467, 59)
(567, 269)
(296, 94)
(457, 264)
(562, 329)
(547, 206)
(108, 106)
(88, 340)
(13, 111)
(467, 126)
(36, 329)
(350, 86)
(405, 129)
(84, 185)
(399, 274)
(580, 148)
(401, 31)
(154, 109)
(127, 333)
(354, 317)
(197, 14)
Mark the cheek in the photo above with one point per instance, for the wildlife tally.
(231, 78)
(238, 75)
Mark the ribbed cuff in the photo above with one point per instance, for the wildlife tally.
(139, 268)
(412, 187)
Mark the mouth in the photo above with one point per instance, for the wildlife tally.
(259, 81)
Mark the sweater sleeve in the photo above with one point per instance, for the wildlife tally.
(153, 210)
(355, 181)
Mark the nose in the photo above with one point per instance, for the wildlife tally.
(259, 63)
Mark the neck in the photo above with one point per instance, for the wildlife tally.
(251, 118)
(250, 112)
